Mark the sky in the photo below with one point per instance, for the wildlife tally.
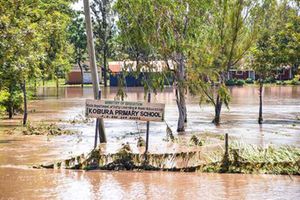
(78, 5)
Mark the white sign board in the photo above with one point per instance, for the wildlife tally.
(137, 111)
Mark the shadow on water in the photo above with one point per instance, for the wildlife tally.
(291, 122)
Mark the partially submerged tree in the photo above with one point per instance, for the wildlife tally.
(231, 30)
(163, 30)
(278, 44)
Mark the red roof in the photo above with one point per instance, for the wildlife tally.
(114, 67)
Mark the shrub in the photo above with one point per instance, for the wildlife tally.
(230, 82)
(249, 81)
(4, 95)
(14, 100)
(240, 82)
(270, 80)
(281, 83)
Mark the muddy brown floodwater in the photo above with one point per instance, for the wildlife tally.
(18, 153)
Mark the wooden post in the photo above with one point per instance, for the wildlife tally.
(102, 136)
(93, 66)
(96, 134)
(147, 133)
(226, 144)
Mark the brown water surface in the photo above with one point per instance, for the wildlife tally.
(17, 153)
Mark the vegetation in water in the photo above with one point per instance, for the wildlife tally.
(244, 158)
(40, 129)
(241, 158)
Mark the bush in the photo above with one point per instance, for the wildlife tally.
(4, 95)
(297, 78)
(281, 83)
(230, 82)
(249, 81)
(270, 80)
(15, 100)
(240, 82)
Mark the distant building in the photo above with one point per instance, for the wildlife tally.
(74, 76)
(118, 68)
(281, 73)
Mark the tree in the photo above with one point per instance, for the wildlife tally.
(104, 30)
(231, 30)
(278, 43)
(24, 40)
(162, 30)
(20, 49)
(58, 50)
(77, 37)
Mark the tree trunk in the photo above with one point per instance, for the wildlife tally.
(180, 100)
(260, 118)
(10, 112)
(35, 87)
(105, 49)
(185, 119)
(218, 108)
(10, 108)
(57, 84)
(23, 87)
(81, 72)
(105, 66)
(180, 95)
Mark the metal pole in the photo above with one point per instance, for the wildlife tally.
(93, 66)
(147, 133)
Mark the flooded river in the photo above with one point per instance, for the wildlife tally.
(18, 181)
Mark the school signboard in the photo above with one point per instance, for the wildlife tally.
(138, 111)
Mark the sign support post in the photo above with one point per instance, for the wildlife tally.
(147, 132)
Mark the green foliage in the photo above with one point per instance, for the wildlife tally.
(104, 28)
(249, 81)
(4, 95)
(224, 94)
(11, 100)
(228, 33)
(32, 43)
(231, 82)
(77, 37)
(269, 80)
(279, 39)
(240, 82)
